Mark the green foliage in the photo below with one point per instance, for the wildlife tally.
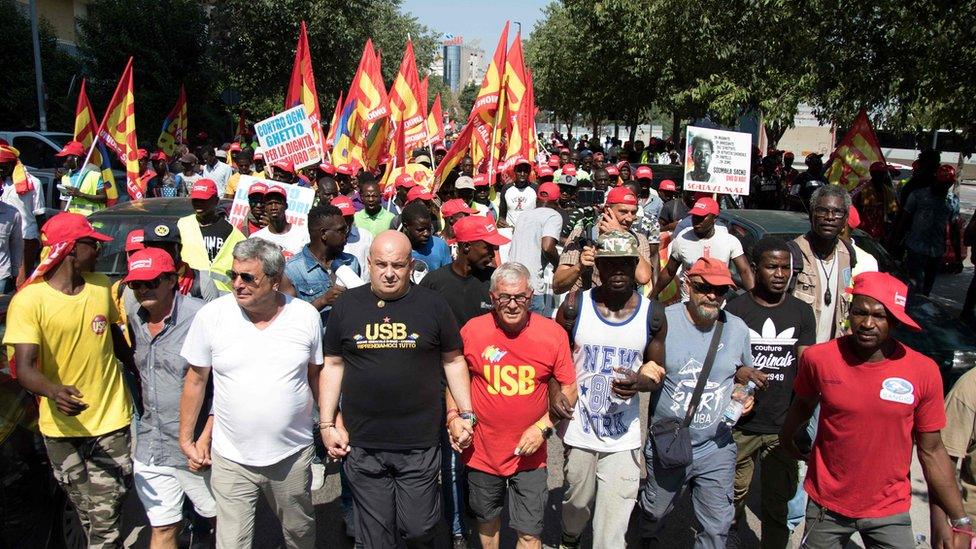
(466, 98)
(18, 93)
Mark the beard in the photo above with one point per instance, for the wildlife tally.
(708, 310)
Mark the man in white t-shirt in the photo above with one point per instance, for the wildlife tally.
(264, 349)
(703, 239)
(534, 244)
(290, 237)
(518, 196)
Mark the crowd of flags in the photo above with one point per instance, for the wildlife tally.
(371, 128)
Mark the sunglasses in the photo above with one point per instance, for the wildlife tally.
(706, 288)
(246, 278)
(138, 285)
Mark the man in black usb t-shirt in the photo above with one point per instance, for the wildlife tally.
(387, 347)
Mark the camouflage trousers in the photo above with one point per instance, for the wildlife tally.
(96, 473)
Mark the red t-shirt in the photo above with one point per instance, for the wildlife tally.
(509, 392)
(868, 412)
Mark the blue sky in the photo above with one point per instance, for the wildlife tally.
(476, 19)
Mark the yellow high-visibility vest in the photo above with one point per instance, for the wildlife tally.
(89, 185)
(194, 253)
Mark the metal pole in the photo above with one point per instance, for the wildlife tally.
(38, 78)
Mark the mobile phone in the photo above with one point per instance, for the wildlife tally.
(590, 197)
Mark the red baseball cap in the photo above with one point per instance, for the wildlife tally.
(285, 166)
(405, 181)
(481, 180)
(644, 172)
(418, 193)
(134, 240)
(788, 154)
(612, 171)
(621, 195)
(946, 174)
(159, 155)
(598, 155)
(668, 185)
(327, 168)
(345, 169)
(257, 188)
(69, 227)
(234, 147)
(891, 292)
(440, 148)
(72, 148)
(569, 169)
(148, 264)
(456, 206)
(853, 218)
(879, 167)
(544, 171)
(713, 271)
(549, 191)
(478, 227)
(704, 206)
(203, 189)
(522, 161)
(259, 153)
(276, 189)
(142, 153)
(345, 205)
(554, 161)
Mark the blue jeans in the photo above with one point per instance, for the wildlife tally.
(454, 484)
(540, 304)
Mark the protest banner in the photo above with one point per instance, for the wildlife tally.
(299, 201)
(287, 137)
(717, 161)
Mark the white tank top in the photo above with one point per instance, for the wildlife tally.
(602, 421)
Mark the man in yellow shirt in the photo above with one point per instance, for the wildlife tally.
(62, 327)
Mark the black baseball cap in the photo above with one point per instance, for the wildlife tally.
(161, 231)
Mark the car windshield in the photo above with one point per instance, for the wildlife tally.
(111, 257)
(59, 139)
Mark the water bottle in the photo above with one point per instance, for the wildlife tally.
(739, 395)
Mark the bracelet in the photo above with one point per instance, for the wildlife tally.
(325, 424)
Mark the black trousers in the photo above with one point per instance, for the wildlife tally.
(396, 495)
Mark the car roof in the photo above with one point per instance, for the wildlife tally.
(770, 221)
(153, 207)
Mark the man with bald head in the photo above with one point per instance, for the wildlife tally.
(388, 345)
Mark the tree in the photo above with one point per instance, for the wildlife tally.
(18, 94)
(466, 98)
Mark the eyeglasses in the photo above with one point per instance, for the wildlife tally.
(820, 211)
(706, 288)
(246, 278)
(504, 299)
(138, 285)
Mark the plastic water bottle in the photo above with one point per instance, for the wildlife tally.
(739, 395)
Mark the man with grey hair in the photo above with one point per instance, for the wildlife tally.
(511, 354)
(388, 347)
(265, 351)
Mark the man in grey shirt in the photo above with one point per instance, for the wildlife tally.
(712, 470)
(159, 319)
(11, 247)
(534, 244)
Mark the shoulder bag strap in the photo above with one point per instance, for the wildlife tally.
(706, 370)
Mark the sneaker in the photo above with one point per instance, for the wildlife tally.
(459, 542)
(318, 476)
(569, 542)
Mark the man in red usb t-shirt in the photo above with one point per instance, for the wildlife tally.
(511, 355)
(877, 397)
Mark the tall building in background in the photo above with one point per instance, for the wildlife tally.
(462, 63)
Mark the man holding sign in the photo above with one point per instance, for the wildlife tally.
(279, 231)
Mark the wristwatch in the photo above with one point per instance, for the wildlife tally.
(470, 417)
(546, 430)
(961, 522)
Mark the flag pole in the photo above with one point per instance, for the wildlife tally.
(494, 128)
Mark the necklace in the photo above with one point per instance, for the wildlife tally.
(827, 294)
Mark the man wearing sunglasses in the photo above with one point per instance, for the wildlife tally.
(159, 319)
(691, 326)
(264, 350)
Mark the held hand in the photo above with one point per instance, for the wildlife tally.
(588, 256)
(461, 433)
(334, 292)
(559, 406)
(68, 400)
(71, 191)
(194, 460)
(625, 383)
(651, 376)
(530, 442)
(203, 451)
(745, 374)
(962, 538)
(942, 534)
(336, 441)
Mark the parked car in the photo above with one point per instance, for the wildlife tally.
(951, 344)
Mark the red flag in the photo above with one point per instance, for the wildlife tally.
(118, 131)
(362, 131)
(301, 87)
(86, 131)
(435, 123)
(422, 97)
(241, 126)
(486, 103)
(454, 155)
(330, 138)
(517, 121)
(850, 163)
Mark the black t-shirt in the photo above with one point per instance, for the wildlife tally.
(392, 384)
(673, 210)
(468, 296)
(775, 333)
(214, 236)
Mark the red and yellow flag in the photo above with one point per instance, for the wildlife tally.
(361, 133)
(301, 87)
(118, 131)
(531, 111)
(517, 121)
(851, 161)
(336, 113)
(174, 126)
(406, 115)
(422, 98)
(85, 131)
(454, 155)
(435, 123)
(487, 101)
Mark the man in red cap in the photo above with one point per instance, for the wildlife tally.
(865, 261)
(874, 393)
(346, 179)
(208, 238)
(245, 166)
(516, 197)
(165, 184)
(62, 327)
(23, 191)
(482, 197)
(284, 171)
(256, 219)
(694, 395)
(451, 212)
(428, 250)
(358, 240)
(704, 239)
(923, 225)
(82, 185)
(403, 183)
(534, 244)
(577, 263)
(290, 237)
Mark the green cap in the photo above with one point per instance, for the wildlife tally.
(616, 244)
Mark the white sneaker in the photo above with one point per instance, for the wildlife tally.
(318, 476)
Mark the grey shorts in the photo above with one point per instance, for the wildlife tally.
(527, 493)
